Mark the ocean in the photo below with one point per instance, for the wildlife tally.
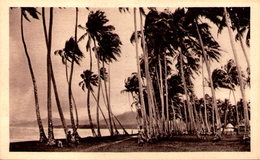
(20, 134)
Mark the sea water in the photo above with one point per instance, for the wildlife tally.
(19, 134)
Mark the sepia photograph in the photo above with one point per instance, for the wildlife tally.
(130, 79)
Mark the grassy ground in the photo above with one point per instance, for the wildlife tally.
(129, 144)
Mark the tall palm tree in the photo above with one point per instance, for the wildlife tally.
(34, 13)
(70, 53)
(140, 86)
(75, 50)
(48, 39)
(89, 79)
(96, 28)
(193, 15)
(228, 21)
(204, 99)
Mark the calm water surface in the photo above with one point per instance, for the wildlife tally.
(18, 134)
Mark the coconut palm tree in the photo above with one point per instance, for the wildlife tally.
(89, 79)
(71, 53)
(34, 13)
(205, 39)
(97, 29)
(228, 21)
(140, 86)
(48, 39)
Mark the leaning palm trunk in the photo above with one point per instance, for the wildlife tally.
(107, 99)
(99, 80)
(140, 86)
(244, 51)
(241, 83)
(43, 137)
(48, 38)
(89, 114)
(151, 104)
(186, 94)
(102, 113)
(218, 123)
(63, 121)
(204, 99)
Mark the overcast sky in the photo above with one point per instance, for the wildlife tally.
(21, 89)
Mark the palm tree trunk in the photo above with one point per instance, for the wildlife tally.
(102, 113)
(204, 99)
(63, 121)
(238, 70)
(166, 94)
(42, 137)
(89, 114)
(244, 51)
(185, 114)
(140, 86)
(218, 123)
(161, 93)
(237, 115)
(108, 102)
(186, 94)
(148, 81)
(51, 140)
(226, 111)
(109, 115)
(120, 124)
(98, 95)
(70, 82)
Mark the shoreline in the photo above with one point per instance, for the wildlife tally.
(128, 143)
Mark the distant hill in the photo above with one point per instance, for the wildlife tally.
(127, 119)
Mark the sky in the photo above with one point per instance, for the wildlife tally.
(21, 89)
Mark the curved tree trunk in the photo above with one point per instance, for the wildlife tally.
(89, 114)
(238, 70)
(70, 83)
(63, 121)
(108, 102)
(48, 38)
(42, 137)
(99, 80)
(218, 123)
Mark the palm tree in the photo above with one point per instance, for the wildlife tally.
(205, 39)
(75, 50)
(96, 28)
(90, 79)
(70, 53)
(238, 70)
(34, 13)
(140, 86)
(48, 38)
